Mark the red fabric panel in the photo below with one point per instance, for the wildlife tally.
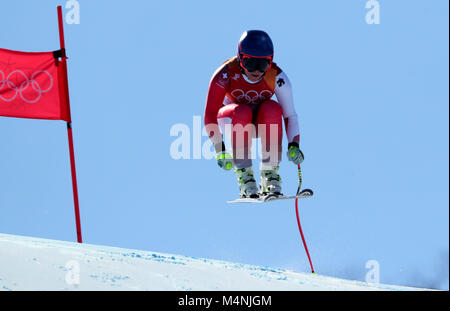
(32, 86)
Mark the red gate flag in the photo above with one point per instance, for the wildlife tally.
(32, 85)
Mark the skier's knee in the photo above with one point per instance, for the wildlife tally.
(243, 114)
(270, 109)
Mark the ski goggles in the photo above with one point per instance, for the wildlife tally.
(256, 63)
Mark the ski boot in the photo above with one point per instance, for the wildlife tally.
(247, 183)
(270, 182)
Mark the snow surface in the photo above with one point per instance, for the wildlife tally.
(28, 263)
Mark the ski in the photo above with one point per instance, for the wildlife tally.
(306, 193)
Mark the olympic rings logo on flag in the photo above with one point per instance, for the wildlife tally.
(24, 86)
(251, 96)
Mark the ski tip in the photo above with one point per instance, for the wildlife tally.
(305, 193)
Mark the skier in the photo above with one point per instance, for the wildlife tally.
(239, 94)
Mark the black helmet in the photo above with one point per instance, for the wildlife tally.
(255, 43)
(255, 51)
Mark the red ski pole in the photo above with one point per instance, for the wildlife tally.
(298, 218)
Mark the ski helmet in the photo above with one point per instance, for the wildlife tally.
(255, 50)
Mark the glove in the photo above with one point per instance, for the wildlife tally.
(224, 160)
(294, 153)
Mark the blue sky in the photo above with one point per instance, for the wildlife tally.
(373, 108)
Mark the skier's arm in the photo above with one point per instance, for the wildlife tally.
(214, 101)
(283, 91)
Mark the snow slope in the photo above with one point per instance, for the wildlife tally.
(39, 264)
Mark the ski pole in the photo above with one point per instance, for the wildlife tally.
(298, 218)
(299, 180)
